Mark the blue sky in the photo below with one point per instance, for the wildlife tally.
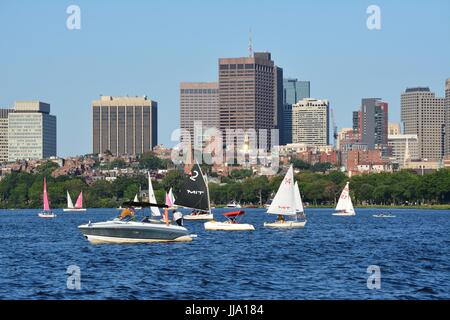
(148, 47)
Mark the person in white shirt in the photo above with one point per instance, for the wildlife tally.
(177, 216)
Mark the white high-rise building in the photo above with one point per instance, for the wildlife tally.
(31, 131)
(310, 122)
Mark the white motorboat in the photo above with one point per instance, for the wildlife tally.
(383, 215)
(233, 204)
(78, 207)
(231, 224)
(287, 203)
(345, 205)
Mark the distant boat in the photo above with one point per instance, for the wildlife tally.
(345, 205)
(47, 212)
(233, 204)
(383, 215)
(78, 205)
(194, 194)
(152, 199)
(136, 199)
(287, 203)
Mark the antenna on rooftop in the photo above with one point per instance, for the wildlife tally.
(250, 44)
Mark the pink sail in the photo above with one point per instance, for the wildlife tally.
(46, 204)
(168, 200)
(79, 203)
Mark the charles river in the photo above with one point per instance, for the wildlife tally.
(328, 259)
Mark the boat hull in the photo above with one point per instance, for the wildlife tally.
(285, 224)
(74, 210)
(133, 232)
(344, 214)
(199, 217)
(225, 226)
(46, 215)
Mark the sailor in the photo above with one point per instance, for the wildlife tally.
(177, 216)
(280, 218)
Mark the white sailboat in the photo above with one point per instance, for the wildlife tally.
(78, 205)
(345, 205)
(136, 199)
(152, 199)
(287, 202)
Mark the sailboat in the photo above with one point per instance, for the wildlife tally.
(78, 205)
(152, 199)
(194, 194)
(345, 205)
(47, 212)
(287, 203)
(136, 199)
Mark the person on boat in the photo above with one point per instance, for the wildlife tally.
(194, 212)
(177, 216)
(126, 214)
(280, 218)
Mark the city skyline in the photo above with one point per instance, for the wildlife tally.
(51, 63)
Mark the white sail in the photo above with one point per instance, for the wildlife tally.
(298, 199)
(152, 198)
(284, 201)
(69, 201)
(345, 202)
(136, 198)
(171, 196)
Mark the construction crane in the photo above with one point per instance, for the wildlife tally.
(335, 129)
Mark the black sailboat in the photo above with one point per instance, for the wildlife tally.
(194, 194)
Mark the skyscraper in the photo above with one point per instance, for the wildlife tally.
(124, 125)
(293, 91)
(373, 124)
(4, 134)
(31, 131)
(310, 122)
(423, 114)
(247, 93)
(199, 101)
(447, 120)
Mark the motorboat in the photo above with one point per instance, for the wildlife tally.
(47, 212)
(127, 228)
(345, 205)
(231, 224)
(383, 215)
(233, 204)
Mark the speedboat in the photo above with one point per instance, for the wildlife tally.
(126, 229)
(231, 224)
(47, 214)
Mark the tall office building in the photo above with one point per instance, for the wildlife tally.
(4, 134)
(447, 119)
(356, 121)
(124, 125)
(247, 93)
(293, 91)
(31, 131)
(278, 101)
(373, 124)
(423, 114)
(199, 101)
(404, 148)
(310, 122)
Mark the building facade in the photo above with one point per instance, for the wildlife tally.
(247, 93)
(404, 148)
(293, 91)
(394, 129)
(310, 122)
(424, 115)
(124, 125)
(373, 124)
(4, 134)
(31, 131)
(199, 102)
(447, 117)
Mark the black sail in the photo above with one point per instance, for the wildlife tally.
(193, 191)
